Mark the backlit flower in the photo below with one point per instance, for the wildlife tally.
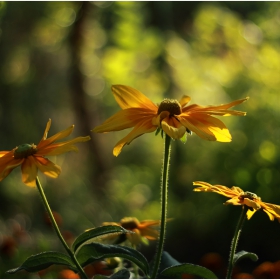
(142, 230)
(173, 117)
(31, 157)
(239, 197)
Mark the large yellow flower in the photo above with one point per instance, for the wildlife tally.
(173, 117)
(239, 197)
(32, 157)
(142, 230)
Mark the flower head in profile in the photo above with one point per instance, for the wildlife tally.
(239, 197)
(143, 231)
(174, 117)
(31, 157)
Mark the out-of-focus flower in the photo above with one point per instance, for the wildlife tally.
(31, 157)
(143, 231)
(68, 274)
(239, 197)
(173, 117)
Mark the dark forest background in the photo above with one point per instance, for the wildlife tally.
(58, 60)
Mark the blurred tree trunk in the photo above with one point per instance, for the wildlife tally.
(79, 98)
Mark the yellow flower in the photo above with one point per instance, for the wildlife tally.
(141, 230)
(32, 157)
(239, 197)
(173, 117)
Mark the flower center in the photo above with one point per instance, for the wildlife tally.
(129, 223)
(170, 105)
(24, 150)
(249, 195)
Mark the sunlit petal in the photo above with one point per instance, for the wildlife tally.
(184, 100)
(47, 167)
(206, 127)
(128, 97)
(8, 163)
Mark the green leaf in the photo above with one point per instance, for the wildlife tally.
(121, 274)
(43, 260)
(94, 251)
(178, 271)
(87, 236)
(244, 254)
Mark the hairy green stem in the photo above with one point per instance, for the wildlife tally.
(164, 184)
(49, 211)
(235, 241)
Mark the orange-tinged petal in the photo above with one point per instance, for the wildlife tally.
(141, 128)
(29, 171)
(252, 203)
(57, 136)
(128, 97)
(135, 238)
(149, 233)
(206, 127)
(8, 163)
(62, 147)
(173, 128)
(47, 167)
(124, 119)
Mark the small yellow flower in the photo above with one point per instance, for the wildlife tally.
(173, 117)
(141, 230)
(239, 197)
(32, 157)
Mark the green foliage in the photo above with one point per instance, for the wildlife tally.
(95, 251)
(244, 254)
(42, 261)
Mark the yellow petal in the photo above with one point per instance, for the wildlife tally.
(47, 129)
(128, 97)
(250, 213)
(29, 171)
(252, 204)
(184, 100)
(173, 128)
(138, 130)
(124, 119)
(47, 167)
(62, 147)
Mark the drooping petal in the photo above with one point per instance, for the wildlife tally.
(47, 167)
(8, 163)
(141, 128)
(62, 147)
(271, 209)
(149, 233)
(128, 97)
(206, 127)
(57, 136)
(29, 171)
(250, 213)
(124, 119)
(173, 128)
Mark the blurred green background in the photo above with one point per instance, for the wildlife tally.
(59, 60)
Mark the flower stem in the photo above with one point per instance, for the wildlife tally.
(164, 184)
(49, 211)
(235, 241)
